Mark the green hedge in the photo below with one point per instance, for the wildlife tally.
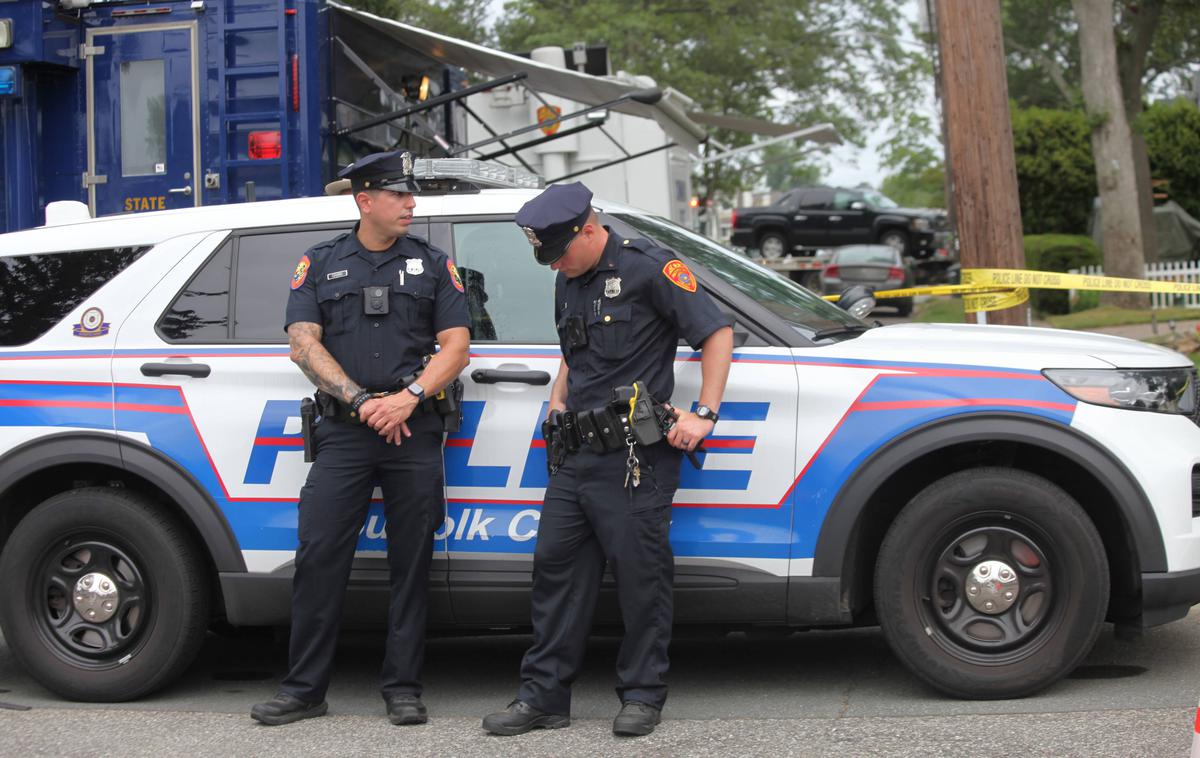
(1056, 176)
(1061, 253)
(1172, 132)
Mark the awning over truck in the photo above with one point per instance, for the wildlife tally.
(674, 112)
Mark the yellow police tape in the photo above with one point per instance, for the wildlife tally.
(994, 289)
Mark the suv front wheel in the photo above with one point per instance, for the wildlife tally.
(991, 583)
(108, 597)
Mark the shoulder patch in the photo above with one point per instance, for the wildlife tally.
(680, 275)
(455, 279)
(301, 272)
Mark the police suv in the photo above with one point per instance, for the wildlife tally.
(988, 495)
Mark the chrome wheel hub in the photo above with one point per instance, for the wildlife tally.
(96, 597)
(992, 587)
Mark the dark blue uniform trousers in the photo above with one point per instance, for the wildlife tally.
(590, 516)
(351, 460)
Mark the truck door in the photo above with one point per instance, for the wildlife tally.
(143, 118)
(848, 225)
(810, 219)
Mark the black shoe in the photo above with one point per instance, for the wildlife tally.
(636, 719)
(284, 709)
(520, 717)
(406, 709)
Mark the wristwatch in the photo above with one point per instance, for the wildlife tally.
(417, 390)
(706, 413)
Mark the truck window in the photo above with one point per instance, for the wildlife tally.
(37, 291)
(509, 296)
(843, 198)
(816, 199)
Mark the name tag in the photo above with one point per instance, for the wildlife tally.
(337, 274)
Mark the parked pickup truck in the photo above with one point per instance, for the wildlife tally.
(816, 217)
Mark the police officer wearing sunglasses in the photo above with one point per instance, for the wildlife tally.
(614, 448)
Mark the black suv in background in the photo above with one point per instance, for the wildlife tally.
(816, 217)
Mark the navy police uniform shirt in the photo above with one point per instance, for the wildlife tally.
(421, 285)
(633, 306)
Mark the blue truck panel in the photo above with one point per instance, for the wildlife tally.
(232, 101)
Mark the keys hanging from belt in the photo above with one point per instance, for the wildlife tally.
(633, 469)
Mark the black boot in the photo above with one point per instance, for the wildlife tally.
(520, 717)
(636, 719)
(406, 709)
(284, 709)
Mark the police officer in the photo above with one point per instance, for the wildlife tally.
(620, 306)
(364, 310)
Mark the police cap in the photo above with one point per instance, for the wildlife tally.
(553, 218)
(382, 171)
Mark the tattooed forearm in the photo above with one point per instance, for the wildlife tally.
(318, 365)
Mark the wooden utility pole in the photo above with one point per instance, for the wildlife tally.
(979, 139)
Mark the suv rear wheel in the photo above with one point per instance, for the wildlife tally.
(991, 583)
(895, 239)
(108, 597)
(772, 245)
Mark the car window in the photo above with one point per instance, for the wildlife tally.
(219, 305)
(799, 307)
(843, 198)
(816, 199)
(201, 312)
(37, 291)
(510, 297)
(864, 254)
(265, 263)
(878, 200)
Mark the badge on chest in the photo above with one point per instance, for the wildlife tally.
(612, 286)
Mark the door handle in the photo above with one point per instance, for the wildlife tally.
(181, 190)
(800, 218)
(198, 370)
(835, 218)
(495, 376)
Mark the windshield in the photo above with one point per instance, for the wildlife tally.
(858, 255)
(803, 310)
(878, 199)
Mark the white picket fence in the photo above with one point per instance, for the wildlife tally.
(1168, 271)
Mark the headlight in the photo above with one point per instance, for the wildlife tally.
(920, 224)
(1164, 390)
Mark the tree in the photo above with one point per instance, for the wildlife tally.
(1112, 149)
(1173, 140)
(803, 61)
(1056, 173)
(1154, 38)
(464, 19)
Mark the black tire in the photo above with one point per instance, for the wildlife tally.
(924, 574)
(158, 615)
(772, 245)
(895, 238)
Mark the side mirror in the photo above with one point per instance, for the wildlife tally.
(857, 300)
(740, 337)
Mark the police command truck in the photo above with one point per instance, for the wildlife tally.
(988, 495)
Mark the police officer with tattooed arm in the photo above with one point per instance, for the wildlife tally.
(363, 317)
(614, 447)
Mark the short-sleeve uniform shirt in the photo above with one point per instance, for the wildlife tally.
(422, 289)
(635, 305)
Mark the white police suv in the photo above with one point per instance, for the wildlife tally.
(988, 495)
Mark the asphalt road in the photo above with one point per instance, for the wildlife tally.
(809, 693)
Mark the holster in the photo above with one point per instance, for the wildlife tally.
(308, 423)
(556, 443)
